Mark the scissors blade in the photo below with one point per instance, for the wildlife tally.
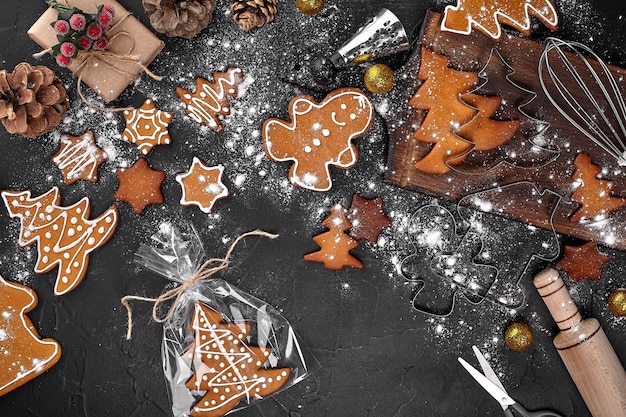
(495, 391)
(489, 373)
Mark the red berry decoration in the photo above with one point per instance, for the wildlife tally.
(68, 49)
(84, 42)
(63, 60)
(77, 30)
(78, 21)
(100, 44)
(94, 31)
(61, 27)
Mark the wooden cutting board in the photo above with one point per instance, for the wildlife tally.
(533, 190)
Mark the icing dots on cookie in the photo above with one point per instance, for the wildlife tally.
(319, 135)
(23, 353)
(210, 99)
(147, 126)
(227, 369)
(65, 235)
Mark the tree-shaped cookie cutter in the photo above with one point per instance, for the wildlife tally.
(515, 151)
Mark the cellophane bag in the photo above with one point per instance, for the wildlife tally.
(223, 349)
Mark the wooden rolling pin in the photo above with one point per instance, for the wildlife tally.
(585, 350)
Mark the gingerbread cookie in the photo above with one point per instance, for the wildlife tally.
(202, 185)
(79, 157)
(584, 261)
(368, 218)
(226, 368)
(210, 98)
(487, 15)
(65, 235)
(23, 354)
(335, 245)
(147, 127)
(319, 135)
(139, 186)
(594, 195)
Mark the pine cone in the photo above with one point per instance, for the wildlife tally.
(33, 100)
(250, 14)
(182, 18)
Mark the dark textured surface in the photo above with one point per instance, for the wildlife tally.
(379, 357)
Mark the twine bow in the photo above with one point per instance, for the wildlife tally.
(110, 59)
(207, 270)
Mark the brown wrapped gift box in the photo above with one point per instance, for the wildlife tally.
(126, 36)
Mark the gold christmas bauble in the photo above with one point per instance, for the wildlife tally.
(378, 78)
(310, 7)
(518, 336)
(617, 302)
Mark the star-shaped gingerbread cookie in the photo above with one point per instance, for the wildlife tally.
(202, 185)
(584, 261)
(79, 157)
(147, 126)
(368, 218)
(139, 186)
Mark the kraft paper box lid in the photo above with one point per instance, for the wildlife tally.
(127, 36)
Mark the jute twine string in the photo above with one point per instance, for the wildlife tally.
(207, 270)
(110, 59)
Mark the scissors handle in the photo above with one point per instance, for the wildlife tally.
(523, 412)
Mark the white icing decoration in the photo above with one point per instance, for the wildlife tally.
(215, 191)
(205, 108)
(69, 251)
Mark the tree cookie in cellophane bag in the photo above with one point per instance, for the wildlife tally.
(223, 349)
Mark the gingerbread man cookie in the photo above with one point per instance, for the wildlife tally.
(23, 354)
(319, 135)
(65, 235)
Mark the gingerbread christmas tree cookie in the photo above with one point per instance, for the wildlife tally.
(202, 185)
(23, 353)
(488, 15)
(65, 235)
(335, 245)
(210, 99)
(319, 135)
(79, 157)
(140, 186)
(147, 126)
(226, 368)
(593, 194)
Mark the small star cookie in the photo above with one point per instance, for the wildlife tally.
(368, 218)
(202, 185)
(584, 261)
(79, 157)
(147, 126)
(139, 186)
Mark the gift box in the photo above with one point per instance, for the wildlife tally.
(132, 47)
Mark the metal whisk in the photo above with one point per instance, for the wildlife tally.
(581, 86)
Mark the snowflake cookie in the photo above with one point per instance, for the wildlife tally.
(319, 135)
(147, 126)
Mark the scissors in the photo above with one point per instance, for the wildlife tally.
(490, 382)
